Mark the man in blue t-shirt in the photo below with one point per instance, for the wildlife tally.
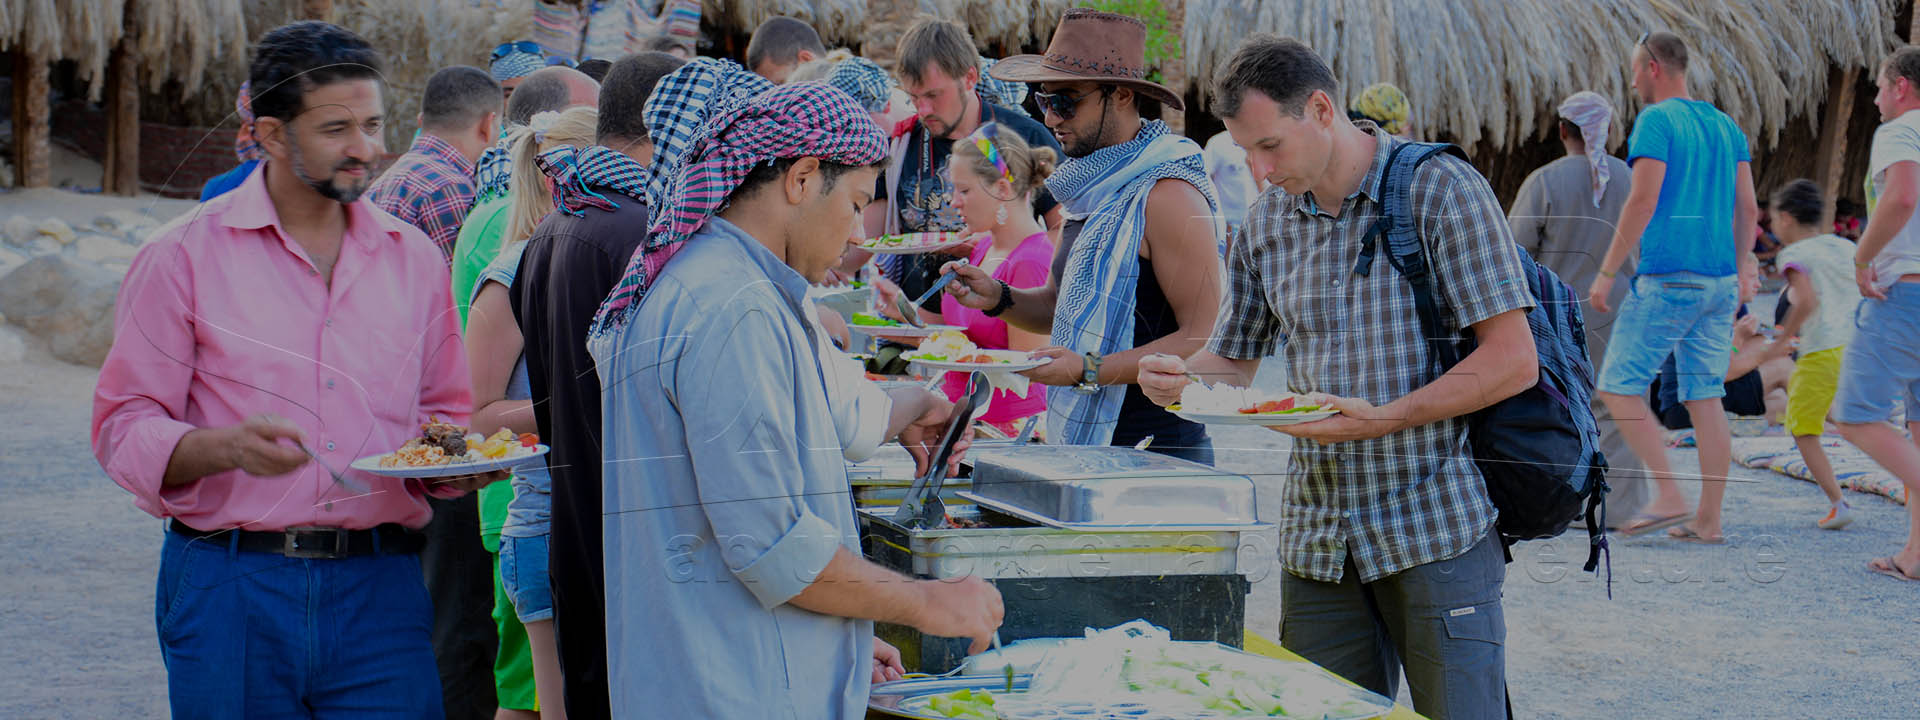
(1691, 216)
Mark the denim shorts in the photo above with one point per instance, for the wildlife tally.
(523, 572)
(1686, 315)
(1883, 361)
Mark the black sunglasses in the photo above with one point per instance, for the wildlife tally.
(1063, 104)
(525, 46)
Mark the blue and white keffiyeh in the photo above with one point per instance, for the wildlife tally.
(1094, 311)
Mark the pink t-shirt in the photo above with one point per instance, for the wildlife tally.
(1026, 267)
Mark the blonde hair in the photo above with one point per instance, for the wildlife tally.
(1027, 165)
(528, 200)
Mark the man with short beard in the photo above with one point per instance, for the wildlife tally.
(285, 321)
(1137, 268)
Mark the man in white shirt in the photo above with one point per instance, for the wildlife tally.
(1883, 361)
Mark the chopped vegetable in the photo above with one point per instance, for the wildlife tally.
(872, 320)
(965, 703)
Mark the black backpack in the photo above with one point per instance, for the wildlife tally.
(1539, 451)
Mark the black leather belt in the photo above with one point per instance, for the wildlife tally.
(316, 543)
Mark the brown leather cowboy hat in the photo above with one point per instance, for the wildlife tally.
(1091, 45)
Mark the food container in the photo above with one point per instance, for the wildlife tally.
(1086, 487)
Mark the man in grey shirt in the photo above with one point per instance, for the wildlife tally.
(735, 585)
(1564, 216)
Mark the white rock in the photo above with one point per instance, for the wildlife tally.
(13, 348)
(122, 221)
(19, 230)
(69, 304)
(10, 260)
(57, 229)
(102, 248)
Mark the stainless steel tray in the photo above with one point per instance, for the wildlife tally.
(1113, 486)
(997, 553)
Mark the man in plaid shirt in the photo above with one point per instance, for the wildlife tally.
(1386, 531)
(431, 187)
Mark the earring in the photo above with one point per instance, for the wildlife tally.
(1000, 215)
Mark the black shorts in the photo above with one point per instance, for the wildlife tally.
(1744, 397)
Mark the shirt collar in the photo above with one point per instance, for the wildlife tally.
(252, 209)
(1307, 204)
(791, 282)
(432, 146)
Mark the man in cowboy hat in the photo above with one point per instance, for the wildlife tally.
(1137, 268)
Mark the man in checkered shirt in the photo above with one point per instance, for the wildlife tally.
(1386, 532)
(431, 186)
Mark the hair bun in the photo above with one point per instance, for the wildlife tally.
(1044, 162)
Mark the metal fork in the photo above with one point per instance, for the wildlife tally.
(338, 478)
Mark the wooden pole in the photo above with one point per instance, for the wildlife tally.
(122, 171)
(1174, 70)
(32, 129)
(1830, 157)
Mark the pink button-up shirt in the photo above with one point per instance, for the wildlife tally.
(223, 316)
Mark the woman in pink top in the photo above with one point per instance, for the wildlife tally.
(994, 177)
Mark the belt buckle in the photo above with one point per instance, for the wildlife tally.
(311, 543)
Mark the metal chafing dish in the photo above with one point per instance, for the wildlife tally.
(881, 482)
(1078, 537)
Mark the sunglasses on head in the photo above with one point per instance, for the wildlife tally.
(524, 46)
(1064, 104)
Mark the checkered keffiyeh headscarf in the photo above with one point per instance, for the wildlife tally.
(515, 65)
(686, 99)
(865, 81)
(244, 146)
(798, 120)
(1005, 93)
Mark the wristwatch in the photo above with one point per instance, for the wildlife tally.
(1089, 377)
(1006, 301)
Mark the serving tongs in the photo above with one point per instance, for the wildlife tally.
(923, 509)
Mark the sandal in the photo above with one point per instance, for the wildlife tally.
(1889, 567)
(1687, 534)
(1643, 524)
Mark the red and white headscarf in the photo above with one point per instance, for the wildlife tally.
(1591, 112)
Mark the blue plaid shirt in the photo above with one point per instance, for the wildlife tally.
(1412, 497)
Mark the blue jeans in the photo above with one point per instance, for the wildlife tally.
(1883, 361)
(523, 573)
(1683, 314)
(259, 636)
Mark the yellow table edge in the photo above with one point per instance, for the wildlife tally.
(1258, 645)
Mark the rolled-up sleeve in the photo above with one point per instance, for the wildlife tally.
(140, 400)
(735, 389)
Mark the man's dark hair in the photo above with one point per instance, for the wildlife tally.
(1800, 200)
(1667, 49)
(294, 58)
(1903, 63)
(665, 43)
(1283, 69)
(624, 94)
(780, 40)
(457, 97)
(545, 90)
(596, 68)
(932, 42)
(1572, 130)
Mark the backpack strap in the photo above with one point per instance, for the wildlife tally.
(1405, 248)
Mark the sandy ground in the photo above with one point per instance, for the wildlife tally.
(1783, 622)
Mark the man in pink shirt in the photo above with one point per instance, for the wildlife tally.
(285, 318)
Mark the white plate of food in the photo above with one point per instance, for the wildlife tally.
(448, 450)
(953, 351)
(1230, 405)
(913, 243)
(887, 327)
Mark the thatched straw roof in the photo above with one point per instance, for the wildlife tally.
(1009, 23)
(1478, 71)
(178, 39)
